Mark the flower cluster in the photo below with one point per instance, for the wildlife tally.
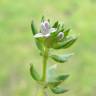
(51, 34)
(55, 37)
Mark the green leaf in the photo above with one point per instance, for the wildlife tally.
(61, 58)
(42, 19)
(55, 81)
(49, 20)
(34, 73)
(66, 32)
(61, 28)
(38, 41)
(58, 90)
(66, 43)
(39, 44)
(51, 71)
(55, 24)
(51, 76)
(62, 77)
(53, 36)
(34, 31)
(70, 41)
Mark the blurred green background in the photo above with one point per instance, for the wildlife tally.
(17, 47)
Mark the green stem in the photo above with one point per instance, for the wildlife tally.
(40, 92)
(45, 57)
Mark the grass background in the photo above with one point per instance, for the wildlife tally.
(17, 47)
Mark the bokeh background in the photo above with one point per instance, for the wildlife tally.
(17, 47)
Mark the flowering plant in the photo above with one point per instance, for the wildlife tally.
(49, 37)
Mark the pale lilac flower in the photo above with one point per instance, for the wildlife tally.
(46, 30)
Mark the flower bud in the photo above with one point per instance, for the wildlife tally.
(60, 36)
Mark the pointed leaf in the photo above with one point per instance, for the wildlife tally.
(62, 77)
(66, 32)
(53, 36)
(61, 28)
(42, 19)
(70, 41)
(66, 43)
(58, 90)
(34, 73)
(39, 44)
(53, 83)
(56, 81)
(51, 71)
(61, 58)
(51, 80)
(49, 20)
(55, 24)
(34, 31)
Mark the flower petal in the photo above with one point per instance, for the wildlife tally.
(47, 35)
(52, 30)
(47, 25)
(38, 35)
(43, 29)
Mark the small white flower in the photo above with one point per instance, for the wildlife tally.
(60, 35)
(46, 29)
